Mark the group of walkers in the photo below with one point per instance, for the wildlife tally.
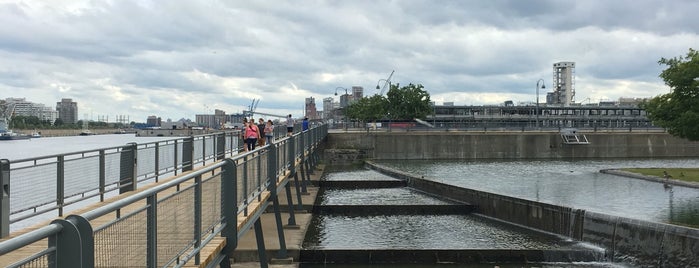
(262, 133)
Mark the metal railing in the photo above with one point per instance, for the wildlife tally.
(51, 183)
(169, 224)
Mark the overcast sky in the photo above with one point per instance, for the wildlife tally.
(175, 59)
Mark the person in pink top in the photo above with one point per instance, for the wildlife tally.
(252, 133)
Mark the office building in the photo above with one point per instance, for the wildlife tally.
(67, 111)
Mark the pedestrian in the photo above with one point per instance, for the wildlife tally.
(261, 126)
(289, 125)
(269, 131)
(244, 137)
(304, 124)
(252, 133)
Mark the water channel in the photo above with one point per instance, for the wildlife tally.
(577, 184)
(418, 232)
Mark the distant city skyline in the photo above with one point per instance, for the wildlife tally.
(178, 59)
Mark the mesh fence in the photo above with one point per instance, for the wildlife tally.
(32, 186)
(112, 166)
(123, 243)
(146, 161)
(40, 262)
(166, 157)
(175, 225)
(211, 203)
(80, 175)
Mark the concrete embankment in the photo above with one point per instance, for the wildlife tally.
(352, 146)
(628, 240)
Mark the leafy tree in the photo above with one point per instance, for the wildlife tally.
(408, 102)
(404, 103)
(678, 111)
(368, 109)
(58, 122)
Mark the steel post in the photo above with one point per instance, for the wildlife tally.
(4, 198)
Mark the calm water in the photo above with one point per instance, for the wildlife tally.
(22, 149)
(576, 184)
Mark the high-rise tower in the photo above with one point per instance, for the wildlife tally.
(563, 83)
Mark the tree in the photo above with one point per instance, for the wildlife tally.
(58, 122)
(368, 109)
(409, 102)
(678, 111)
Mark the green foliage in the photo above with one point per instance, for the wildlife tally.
(678, 111)
(408, 102)
(368, 109)
(404, 103)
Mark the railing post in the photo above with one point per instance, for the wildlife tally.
(87, 239)
(152, 231)
(4, 198)
(156, 161)
(127, 171)
(103, 175)
(67, 244)
(197, 217)
(229, 210)
(188, 154)
(221, 146)
(60, 180)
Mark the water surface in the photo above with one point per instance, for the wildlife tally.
(577, 184)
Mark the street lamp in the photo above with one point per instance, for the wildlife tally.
(384, 85)
(537, 99)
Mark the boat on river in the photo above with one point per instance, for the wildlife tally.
(6, 135)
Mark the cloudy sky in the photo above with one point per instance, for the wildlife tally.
(175, 59)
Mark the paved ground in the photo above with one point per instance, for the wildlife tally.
(246, 255)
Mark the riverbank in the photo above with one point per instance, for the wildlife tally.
(72, 132)
(670, 181)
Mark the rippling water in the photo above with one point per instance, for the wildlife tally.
(383, 196)
(421, 232)
(576, 184)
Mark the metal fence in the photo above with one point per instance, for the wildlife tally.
(169, 224)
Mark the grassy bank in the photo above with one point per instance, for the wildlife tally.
(683, 174)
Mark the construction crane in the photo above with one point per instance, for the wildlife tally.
(253, 106)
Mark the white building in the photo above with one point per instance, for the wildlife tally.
(27, 108)
(563, 84)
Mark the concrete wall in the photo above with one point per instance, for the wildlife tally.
(628, 240)
(509, 145)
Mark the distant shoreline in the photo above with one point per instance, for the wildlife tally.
(70, 132)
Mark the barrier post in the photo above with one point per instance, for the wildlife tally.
(221, 146)
(229, 210)
(127, 171)
(188, 154)
(5, 198)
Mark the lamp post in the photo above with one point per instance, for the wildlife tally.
(385, 82)
(537, 99)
